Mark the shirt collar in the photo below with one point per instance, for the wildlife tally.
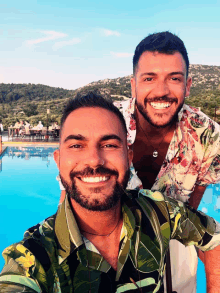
(69, 236)
(67, 231)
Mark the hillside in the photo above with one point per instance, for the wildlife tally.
(30, 101)
(205, 77)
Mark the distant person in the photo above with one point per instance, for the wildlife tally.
(55, 125)
(103, 239)
(22, 128)
(27, 127)
(17, 127)
(17, 124)
(40, 125)
(57, 129)
(1, 127)
(27, 124)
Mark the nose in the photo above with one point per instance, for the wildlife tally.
(161, 89)
(94, 158)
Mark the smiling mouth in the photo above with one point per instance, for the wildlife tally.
(97, 179)
(159, 105)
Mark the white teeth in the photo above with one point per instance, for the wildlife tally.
(160, 105)
(94, 179)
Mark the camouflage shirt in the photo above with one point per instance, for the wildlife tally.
(54, 257)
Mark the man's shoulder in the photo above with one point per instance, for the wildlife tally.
(148, 200)
(198, 119)
(33, 254)
(43, 229)
(35, 237)
(159, 201)
(122, 105)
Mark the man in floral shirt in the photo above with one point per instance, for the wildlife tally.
(176, 147)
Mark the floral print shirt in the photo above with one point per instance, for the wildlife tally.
(54, 257)
(193, 156)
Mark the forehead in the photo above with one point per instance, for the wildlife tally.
(155, 61)
(92, 123)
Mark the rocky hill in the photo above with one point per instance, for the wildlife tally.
(30, 101)
(205, 77)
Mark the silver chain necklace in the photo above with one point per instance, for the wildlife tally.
(155, 152)
(105, 235)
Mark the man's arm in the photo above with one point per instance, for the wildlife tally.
(211, 259)
(194, 201)
(212, 268)
(16, 275)
(204, 233)
(196, 196)
(15, 288)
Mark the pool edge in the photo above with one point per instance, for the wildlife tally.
(16, 143)
(3, 150)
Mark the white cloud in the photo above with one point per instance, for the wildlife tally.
(108, 33)
(50, 35)
(61, 44)
(121, 54)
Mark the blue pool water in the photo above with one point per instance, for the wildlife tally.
(30, 193)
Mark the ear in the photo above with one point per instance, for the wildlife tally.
(130, 156)
(133, 87)
(188, 86)
(56, 156)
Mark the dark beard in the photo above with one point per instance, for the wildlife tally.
(144, 112)
(111, 201)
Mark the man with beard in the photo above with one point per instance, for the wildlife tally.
(103, 238)
(176, 147)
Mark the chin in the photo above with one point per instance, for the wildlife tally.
(93, 202)
(95, 199)
(161, 123)
(90, 198)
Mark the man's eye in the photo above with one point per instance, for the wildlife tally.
(110, 146)
(176, 79)
(75, 146)
(148, 79)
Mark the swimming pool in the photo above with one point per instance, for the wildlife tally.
(29, 193)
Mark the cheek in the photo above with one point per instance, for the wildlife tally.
(179, 92)
(142, 94)
(67, 164)
(122, 162)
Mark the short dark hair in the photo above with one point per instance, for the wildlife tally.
(164, 42)
(91, 100)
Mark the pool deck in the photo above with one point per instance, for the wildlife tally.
(5, 144)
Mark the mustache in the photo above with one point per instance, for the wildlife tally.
(160, 99)
(94, 172)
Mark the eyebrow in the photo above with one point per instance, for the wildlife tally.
(111, 136)
(83, 138)
(177, 72)
(154, 74)
(147, 73)
(76, 137)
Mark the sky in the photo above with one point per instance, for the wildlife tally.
(69, 44)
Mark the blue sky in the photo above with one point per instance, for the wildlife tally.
(69, 44)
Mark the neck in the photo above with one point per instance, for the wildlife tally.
(94, 222)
